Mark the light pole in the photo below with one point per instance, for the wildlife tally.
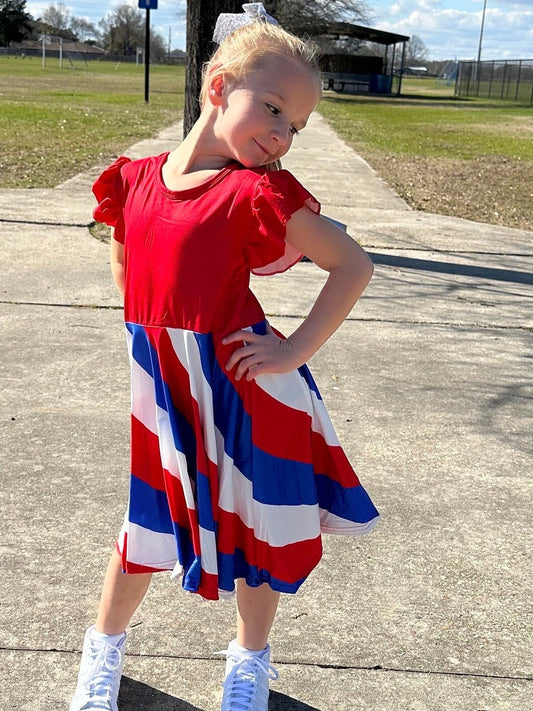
(481, 33)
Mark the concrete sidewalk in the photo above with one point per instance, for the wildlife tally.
(429, 386)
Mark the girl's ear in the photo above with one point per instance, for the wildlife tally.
(216, 90)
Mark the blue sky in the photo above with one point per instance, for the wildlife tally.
(170, 14)
(449, 28)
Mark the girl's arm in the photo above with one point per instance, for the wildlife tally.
(116, 259)
(349, 269)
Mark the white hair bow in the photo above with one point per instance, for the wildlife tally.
(229, 22)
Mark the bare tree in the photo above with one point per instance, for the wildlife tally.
(57, 16)
(124, 29)
(416, 52)
(310, 17)
(57, 20)
(83, 29)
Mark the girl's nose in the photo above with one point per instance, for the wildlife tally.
(282, 137)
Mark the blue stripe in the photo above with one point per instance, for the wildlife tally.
(145, 355)
(281, 481)
(309, 380)
(148, 507)
(204, 502)
(352, 504)
(233, 566)
(185, 550)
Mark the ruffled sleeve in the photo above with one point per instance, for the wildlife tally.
(109, 192)
(277, 196)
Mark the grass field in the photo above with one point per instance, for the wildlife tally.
(56, 122)
(470, 158)
(467, 157)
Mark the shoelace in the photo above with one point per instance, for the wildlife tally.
(241, 682)
(100, 684)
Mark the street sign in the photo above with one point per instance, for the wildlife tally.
(148, 4)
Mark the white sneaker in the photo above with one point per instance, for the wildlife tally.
(100, 673)
(247, 678)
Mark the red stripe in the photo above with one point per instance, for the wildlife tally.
(289, 563)
(136, 569)
(208, 586)
(333, 462)
(276, 428)
(145, 456)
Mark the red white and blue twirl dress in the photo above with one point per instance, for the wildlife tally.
(229, 479)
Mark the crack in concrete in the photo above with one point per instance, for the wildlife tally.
(350, 319)
(319, 665)
(46, 224)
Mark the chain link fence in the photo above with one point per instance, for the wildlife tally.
(511, 80)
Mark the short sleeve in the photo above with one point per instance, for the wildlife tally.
(109, 192)
(277, 196)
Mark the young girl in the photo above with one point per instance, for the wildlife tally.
(235, 467)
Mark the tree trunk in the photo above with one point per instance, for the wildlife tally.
(201, 18)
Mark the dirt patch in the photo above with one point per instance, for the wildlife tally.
(491, 189)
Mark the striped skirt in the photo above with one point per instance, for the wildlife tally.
(230, 479)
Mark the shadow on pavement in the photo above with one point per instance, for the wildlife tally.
(281, 702)
(141, 697)
(430, 265)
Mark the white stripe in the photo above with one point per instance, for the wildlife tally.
(149, 548)
(187, 351)
(208, 548)
(321, 422)
(275, 524)
(288, 388)
(330, 523)
(143, 405)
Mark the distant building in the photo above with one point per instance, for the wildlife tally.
(70, 49)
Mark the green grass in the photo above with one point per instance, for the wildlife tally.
(57, 122)
(470, 158)
(427, 121)
(467, 157)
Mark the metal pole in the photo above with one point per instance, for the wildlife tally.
(401, 71)
(147, 56)
(61, 53)
(481, 34)
(44, 50)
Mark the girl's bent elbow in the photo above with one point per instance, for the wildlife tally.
(370, 267)
(364, 265)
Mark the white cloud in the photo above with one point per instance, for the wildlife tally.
(450, 32)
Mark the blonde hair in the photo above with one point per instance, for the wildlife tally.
(243, 50)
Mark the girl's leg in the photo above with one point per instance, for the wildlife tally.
(121, 595)
(256, 609)
(105, 643)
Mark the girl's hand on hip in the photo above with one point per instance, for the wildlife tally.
(260, 354)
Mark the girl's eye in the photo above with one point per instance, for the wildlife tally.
(275, 112)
